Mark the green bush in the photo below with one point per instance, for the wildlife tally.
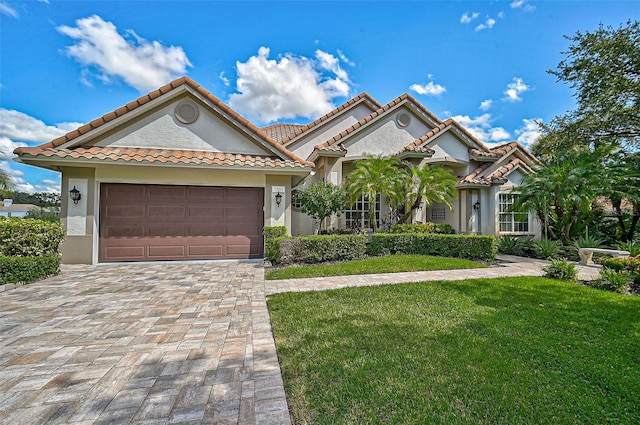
(429, 227)
(627, 265)
(562, 270)
(482, 247)
(320, 248)
(515, 245)
(612, 280)
(547, 248)
(633, 247)
(270, 235)
(27, 237)
(26, 269)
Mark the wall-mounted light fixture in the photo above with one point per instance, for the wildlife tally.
(476, 206)
(75, 195)
(278, 198)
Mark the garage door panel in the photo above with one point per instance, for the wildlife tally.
(165, 193)
(166, 251)
(167, 230)
(210, 251)
(124, 211)
(206, 212)
(131, 231)
(126, 253)
(153, 222)
(207, 230)
(169, 213)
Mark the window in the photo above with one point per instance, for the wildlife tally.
(511, 221)
(437, 213)
(358, 215)
(295, 200)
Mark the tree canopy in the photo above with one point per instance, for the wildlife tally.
(603, 67)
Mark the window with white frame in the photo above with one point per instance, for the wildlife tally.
(295, 200)
(511, 221)
(358, 215)
(437, 213)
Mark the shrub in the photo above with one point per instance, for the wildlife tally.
(320, 248)
(612, 280)
(26, 269)
(562, 270)
(26, 237)
(515, 245)
(547, 248)
(482, 247)
(429, 227)
(587, 242)
(270, 235)
(633, 247)
(627, 265)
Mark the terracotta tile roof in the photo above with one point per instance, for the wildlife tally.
(233, 115)
(155, 156)
(404, 98)
(362, 97)
(281, 132)
(476, 177)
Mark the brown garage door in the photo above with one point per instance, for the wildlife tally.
(154, 222)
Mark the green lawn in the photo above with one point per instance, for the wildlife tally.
(488, 351)
(386, 264)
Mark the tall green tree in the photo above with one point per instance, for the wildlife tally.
(322, 199)
(603, 67)
(426, 185)
(560, 190)
(372, 176)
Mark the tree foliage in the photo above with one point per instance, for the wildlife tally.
(41, 199)
(560, 190)
(603, 67)
(406, 186)
(322, 199)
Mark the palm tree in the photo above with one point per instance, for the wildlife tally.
(370, 177)
(561, 190)
(427, 184)
(5, 182)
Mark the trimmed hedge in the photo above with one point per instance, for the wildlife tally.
(480, 247)
(271, 233)
(319, 248)
(428, 227)
(21, 237)
(29, 249)
(26, 269)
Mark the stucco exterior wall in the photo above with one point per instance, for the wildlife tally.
(160, 129)
(304, 146)
(79, 220)
(448, 145)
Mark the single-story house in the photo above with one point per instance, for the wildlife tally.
(9, 209)
(177, 174)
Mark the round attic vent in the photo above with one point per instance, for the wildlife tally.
(186, 112)
(403, 119)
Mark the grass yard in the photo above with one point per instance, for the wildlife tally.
(489, 351)
(386, 264)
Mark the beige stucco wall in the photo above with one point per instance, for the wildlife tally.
(160, 129)
(78, 248)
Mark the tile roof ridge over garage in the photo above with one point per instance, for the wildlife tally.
(157, 93)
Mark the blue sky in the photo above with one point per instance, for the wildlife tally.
(64, 63)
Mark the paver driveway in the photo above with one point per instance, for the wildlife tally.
(143, 344)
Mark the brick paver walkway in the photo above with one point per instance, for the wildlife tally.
(160, 343)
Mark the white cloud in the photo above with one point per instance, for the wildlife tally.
(485, 105)
(224, 79)
(19, 126)
(501, 15)
(429, 89)
(488, 24)
(514, 89)
(142, 64)
(466, 18)
(345, 59)
(288, 87)
(481, 128)
(5, 9)
(522, 4)
(530, 132)
(7, 147)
